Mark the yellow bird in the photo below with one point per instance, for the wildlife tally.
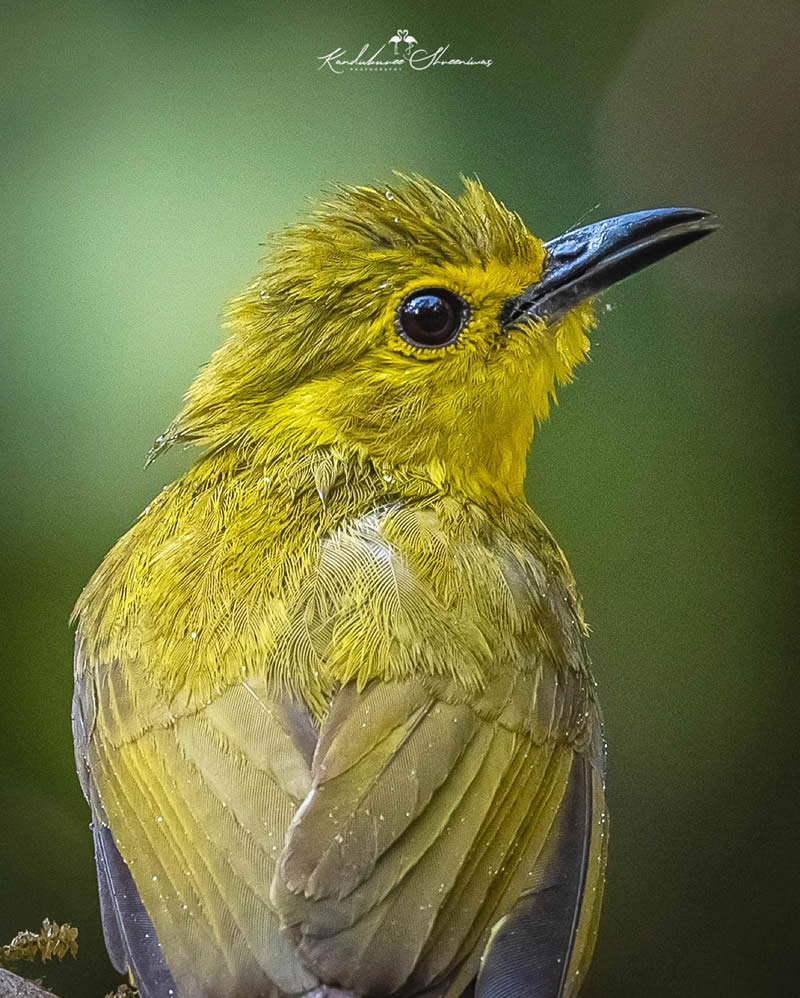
(333, 710)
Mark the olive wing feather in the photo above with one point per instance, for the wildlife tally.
(188, 816)
(431, 831)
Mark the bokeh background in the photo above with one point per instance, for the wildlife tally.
(147, 151)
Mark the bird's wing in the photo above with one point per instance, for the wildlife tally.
(439, 828)
(189, 814)
(450, 808)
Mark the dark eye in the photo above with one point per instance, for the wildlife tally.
(431, 317)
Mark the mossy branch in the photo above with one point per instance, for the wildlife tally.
(52, 941)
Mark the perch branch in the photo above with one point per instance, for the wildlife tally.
(12, 986)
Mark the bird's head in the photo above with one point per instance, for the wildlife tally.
(414, 329)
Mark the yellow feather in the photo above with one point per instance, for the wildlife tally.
(354, 538)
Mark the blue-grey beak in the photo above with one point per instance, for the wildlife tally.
(585, 261)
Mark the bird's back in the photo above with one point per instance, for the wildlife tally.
(337, 726)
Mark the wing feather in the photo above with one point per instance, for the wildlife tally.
(476, 816)
(530, 949)
(131, 939)
(198, 804)
(371, 941)
(355, 811)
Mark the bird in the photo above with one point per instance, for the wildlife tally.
(334, 714)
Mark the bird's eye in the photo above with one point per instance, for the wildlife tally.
(431, 317)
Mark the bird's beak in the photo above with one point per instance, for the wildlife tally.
(590, 259)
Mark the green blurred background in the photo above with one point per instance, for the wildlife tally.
(149, 149)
